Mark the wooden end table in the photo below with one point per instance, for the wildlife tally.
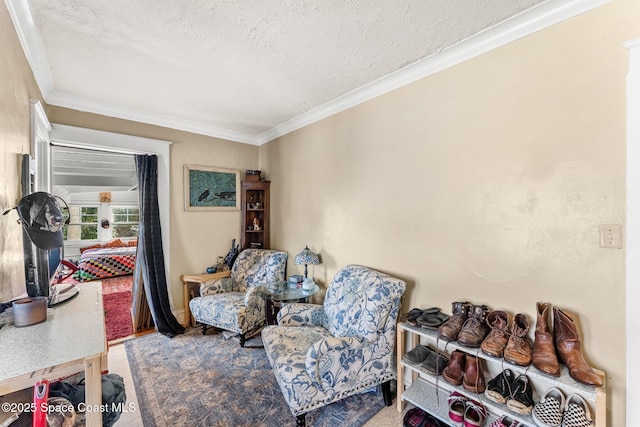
(191, 289)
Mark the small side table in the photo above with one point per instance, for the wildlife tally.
(281, 292)
(191, 286)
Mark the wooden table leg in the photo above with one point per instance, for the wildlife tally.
(268, 310)
(93, 390)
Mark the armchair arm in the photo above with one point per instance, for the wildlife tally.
(254, 294)
(254, 300)
(337, 360)
(301, 314)
(216, 286)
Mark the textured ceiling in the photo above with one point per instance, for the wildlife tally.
(242, 66)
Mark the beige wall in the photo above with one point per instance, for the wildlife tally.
(197, 238)
(17, 88)
(486, 182)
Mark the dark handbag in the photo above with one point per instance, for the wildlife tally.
(232, 255)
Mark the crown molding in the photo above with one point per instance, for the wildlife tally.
(31, 44)
(539, 17)
(91, 106)
(535, 19)
(632, 44)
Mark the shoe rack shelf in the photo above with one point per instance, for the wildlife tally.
(430, 393)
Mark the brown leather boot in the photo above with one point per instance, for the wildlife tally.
(454, 371)
(460, 312)
(569, 349)
(473, 380)
(495, 342)
(519, 347)
(475, 328)
(544, 350)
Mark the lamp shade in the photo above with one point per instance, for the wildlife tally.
(307, 257)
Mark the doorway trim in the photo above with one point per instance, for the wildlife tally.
(633, 227)
(77, 137)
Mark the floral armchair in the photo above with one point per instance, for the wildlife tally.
(237, 303)
(324, 353)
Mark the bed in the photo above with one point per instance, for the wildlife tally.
(101, 263)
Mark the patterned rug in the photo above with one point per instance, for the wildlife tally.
(117, 315)
(114, 285)
(196, 380)
(116, 299)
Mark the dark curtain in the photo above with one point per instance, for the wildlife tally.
(150, 257)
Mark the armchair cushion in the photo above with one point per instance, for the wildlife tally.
(321, 354)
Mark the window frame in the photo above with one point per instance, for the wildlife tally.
(97, 224)
(113, 223)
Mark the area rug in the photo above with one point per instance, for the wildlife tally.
(196, 380)
(117, 315)
(114, 285)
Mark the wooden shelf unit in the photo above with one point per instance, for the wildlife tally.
(255, 205)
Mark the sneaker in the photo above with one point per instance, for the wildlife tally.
(521, 399)
(505, 421)
(548, 412)
(415, 417)
(576, 413)
(457, 408)
(474, 414)
(418, 354)
(499, 388)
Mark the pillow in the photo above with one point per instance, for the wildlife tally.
(133, 243)
(86, 248)
(115, 243)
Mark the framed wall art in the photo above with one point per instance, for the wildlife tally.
(210, 188)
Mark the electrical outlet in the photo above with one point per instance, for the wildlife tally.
(611, 236)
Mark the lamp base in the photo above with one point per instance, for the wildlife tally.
(308, 284)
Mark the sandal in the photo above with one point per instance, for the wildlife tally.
(432, 319)
(412, 315)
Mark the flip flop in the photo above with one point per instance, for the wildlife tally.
(432, 320)
(412, 315)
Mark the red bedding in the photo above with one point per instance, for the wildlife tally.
(105, 262)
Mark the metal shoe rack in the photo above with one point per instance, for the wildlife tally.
(430, 392)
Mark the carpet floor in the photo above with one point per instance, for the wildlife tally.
(196, 380)
(117, 315)
(116, 299)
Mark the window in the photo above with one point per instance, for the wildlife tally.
(124, 221)
(83, 223)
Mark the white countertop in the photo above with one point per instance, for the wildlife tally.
(73, 330)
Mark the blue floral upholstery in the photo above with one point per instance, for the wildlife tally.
(237, 303)
(324, 353)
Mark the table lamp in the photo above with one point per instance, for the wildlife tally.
(307, 257)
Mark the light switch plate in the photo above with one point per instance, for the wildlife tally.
(611, 236)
